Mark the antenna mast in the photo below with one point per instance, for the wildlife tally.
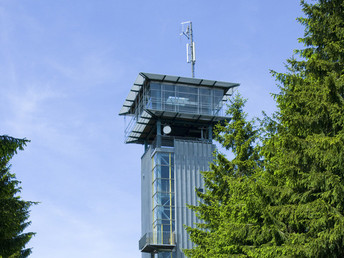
(190, 47)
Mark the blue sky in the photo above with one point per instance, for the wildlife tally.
(65, 70)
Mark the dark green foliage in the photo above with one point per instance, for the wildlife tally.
(290, 204)
(305, 172)
(229, 202)
(14, 212)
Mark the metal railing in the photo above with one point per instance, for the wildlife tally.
(163, 239)
(183, 105)
(175, 104)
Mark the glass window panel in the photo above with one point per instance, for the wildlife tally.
(205, 106)
(162, 185)
(205, 99)
(218, 93)
(172, 185)
(162, 172)
(156, 185)
(168, 87)
(206, 92)
(159, 229)
(163, 198)
(188, 103)
(165, 158)
(156, 159)
(165, 172)
(169, 100)
(181, 101)
(160, 222)
(168, 96)
(183, 98)
(193, 99)
(166, 227)
(155, 94)
(155, 86)
(217, 99)
(166, 212)
(187, 89)
(157, 172)
(156, 103)
(157, 212)
(155, 224)
(162, 212)
(206, 111)
(162, 158)
(217, 104)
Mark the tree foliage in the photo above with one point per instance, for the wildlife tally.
(291, 203)
(229, 202)
(14, 212)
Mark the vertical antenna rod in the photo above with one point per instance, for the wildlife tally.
(190, 47)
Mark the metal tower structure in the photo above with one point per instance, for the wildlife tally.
(190, 47)
(173, 117)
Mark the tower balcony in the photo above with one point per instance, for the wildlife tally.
(152, 242)
(188, 105)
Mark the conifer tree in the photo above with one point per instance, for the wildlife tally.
(304, 174)
(14, 212)
(292, 204)
(229, 202)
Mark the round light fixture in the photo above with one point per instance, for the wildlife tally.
(167, 129)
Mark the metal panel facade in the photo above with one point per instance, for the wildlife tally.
(146, 195)
(191, 157)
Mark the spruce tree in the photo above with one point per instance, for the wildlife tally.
(14, 212)
(304, 174)
(229, 203)
(290, 204)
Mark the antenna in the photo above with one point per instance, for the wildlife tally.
(190, 47)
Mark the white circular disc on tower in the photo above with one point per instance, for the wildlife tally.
(167, 129)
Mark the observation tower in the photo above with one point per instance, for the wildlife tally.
(173, 117)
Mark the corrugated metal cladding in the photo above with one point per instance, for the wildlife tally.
(146, 192)
(190, 158)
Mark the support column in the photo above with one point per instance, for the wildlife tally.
(210, 132)
(158, 134)
(146, 145)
